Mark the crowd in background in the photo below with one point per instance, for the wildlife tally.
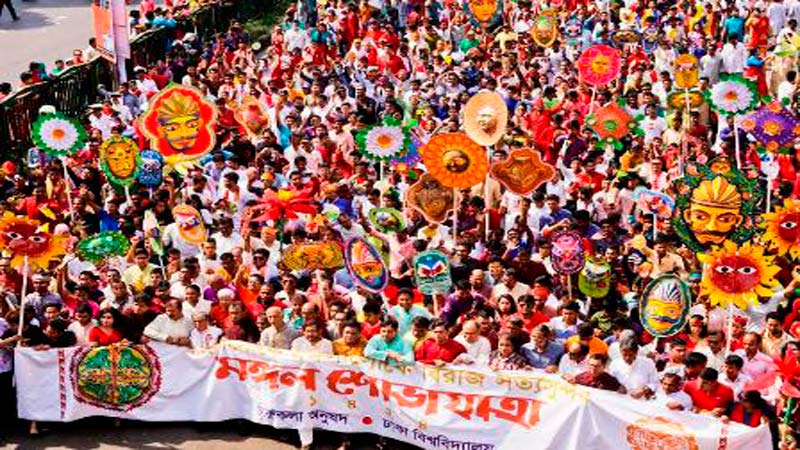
(332, 68)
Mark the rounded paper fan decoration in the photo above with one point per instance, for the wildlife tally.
(677, 99)
(611, 121)
(103, 245)
(738, 274)
(599, 65)
(384, 142)
(455, 160)
(733, 95)
(773, 126)
(58, 135)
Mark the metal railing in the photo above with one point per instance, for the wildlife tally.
(74, 89)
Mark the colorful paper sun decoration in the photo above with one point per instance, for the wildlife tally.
(611, 123)
(738, 274)
(599, 65)
(455, 160)
(774, 126)
(384, 142)
(58, 135)
(782, 228)
(733, 95)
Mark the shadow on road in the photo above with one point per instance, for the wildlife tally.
(28, 19)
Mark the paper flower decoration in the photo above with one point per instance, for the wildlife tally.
(599, 65)
(678, 99)
(773, 126)
(738, 274)
(103, 245)
(120, 160)
(58, 135)
(283, 204)
(430, 198)
(653, 202)
(23, 237)
(455, 160)
(365, 265)
(733, 95)
(313, 256)
(383, 142)
(522, 172)
(782, 228)
(611, 122)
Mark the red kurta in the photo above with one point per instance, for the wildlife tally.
(430, 351)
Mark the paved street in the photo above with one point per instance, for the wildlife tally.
(100, 433)
(48, 30)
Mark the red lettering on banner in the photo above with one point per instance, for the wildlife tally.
(513, 409)
(260, 372)
(224, 370)
(521, 411)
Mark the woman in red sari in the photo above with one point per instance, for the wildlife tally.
(108, 331)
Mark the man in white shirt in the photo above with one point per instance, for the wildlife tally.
(732, 375)
(510, 286)
(82, 324)
(787, 87)
(171, 327)
(203, 336)
(225, 238)
(714, 349)
(312, 341)
(670, 394)
(734, 56)
(575, 361)
(192, 303)
(478, 347)
(637, 374)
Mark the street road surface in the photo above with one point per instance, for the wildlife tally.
(100, 434)
(48, 30)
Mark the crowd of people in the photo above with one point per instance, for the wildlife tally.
(332, 68)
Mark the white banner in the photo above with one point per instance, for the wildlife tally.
(433, 408)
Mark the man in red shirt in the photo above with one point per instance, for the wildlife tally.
(708, 394)
(440, 349)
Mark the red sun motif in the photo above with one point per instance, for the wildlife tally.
(735, 274)
(788, 228)
(366, 420)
